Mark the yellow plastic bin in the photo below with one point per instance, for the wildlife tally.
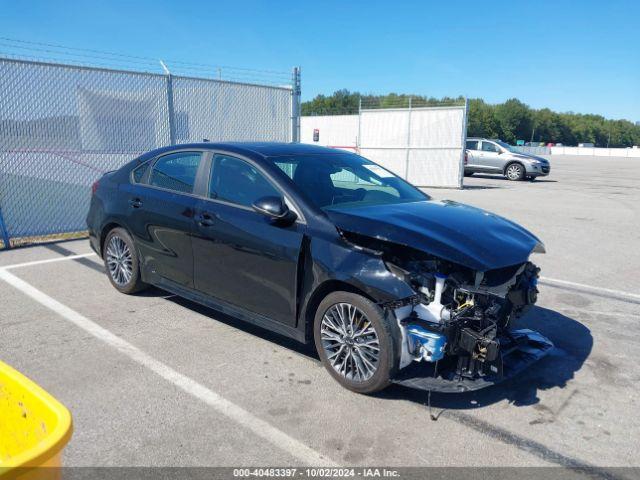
(34, 428)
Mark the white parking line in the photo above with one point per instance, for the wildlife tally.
(227, 408)
(49, 260)
(590, 288)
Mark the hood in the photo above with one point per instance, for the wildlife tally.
(449, 230)
(526, 156)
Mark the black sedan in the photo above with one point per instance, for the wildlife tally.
(328, 247)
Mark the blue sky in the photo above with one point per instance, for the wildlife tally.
(567, 55)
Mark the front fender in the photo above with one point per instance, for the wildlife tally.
(360, 268)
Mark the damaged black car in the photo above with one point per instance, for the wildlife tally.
(330, 249)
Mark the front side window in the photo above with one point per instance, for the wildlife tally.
(489, 147)
(236, 181)
(472, 144)
(346, 180)
(176, 171)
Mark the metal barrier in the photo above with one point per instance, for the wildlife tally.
(533, 150)
(63, 126)
(422, 144)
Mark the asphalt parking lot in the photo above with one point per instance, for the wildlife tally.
(156, 380)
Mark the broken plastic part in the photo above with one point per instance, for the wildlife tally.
(425, 344)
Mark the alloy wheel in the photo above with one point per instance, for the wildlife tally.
(119, 261)
(350, 342)
(514, 172)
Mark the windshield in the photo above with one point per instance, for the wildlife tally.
(346, 180)
(506, 146)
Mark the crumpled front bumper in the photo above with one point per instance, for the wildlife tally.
(517, 353)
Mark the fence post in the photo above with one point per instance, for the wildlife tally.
(464, 143)
(406, 162)
(4, 232)
(171, 113)
(295, 106)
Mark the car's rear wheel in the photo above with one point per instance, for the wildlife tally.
(121, 262)
(515, 172)
(355, 342)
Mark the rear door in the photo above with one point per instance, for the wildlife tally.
(161, 205)
(472, 147)
(241, 257)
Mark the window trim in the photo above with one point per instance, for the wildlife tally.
(204, 156)
(287, 198)
(203, 179)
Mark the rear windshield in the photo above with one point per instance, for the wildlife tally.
(346, 180)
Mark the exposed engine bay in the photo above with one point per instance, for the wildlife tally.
(460, 320)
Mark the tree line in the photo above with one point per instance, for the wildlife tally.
(509, 121)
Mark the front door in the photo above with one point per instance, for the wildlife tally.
(489, 157)
(240, 256)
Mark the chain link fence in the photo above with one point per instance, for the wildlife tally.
(63, 126)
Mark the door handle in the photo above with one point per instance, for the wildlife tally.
(135, 202)
(205, 219)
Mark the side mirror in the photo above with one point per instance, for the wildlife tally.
(274, 208)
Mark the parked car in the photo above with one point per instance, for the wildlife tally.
(495, 156)
(329, 248)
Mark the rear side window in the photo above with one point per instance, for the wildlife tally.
(138, 172)
(472, 144)
(176, 171)
(236, 181)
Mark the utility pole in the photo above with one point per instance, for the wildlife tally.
(295, 105)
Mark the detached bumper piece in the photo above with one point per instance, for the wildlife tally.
(456, 374)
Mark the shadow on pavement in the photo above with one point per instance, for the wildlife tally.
(505, 179)
(573, 343)
(480, 187)
(286, 342)
(572, 340)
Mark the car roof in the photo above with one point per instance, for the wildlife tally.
(263, 149)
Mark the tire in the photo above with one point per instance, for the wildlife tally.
(514, 172)
(121, 262)
(351, 369)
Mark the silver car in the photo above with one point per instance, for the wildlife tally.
(495, 156)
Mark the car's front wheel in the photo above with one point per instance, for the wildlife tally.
(515, 172)
(355, 341)
(121, 262)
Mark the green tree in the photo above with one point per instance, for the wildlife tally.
(514, 118)
(509, 121)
